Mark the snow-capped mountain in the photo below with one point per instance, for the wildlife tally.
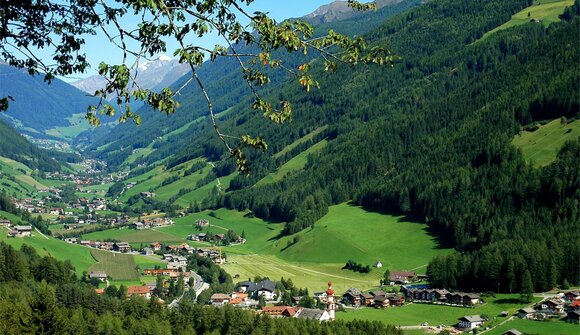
(162, 71)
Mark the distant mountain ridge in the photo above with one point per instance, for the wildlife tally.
(38, 106)
(160, 72)
(339, 10)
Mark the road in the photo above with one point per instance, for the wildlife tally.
(198, 286)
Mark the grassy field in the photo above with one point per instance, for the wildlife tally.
(78, 124)
(346, 232)
(298, 162)
(117, 266)
(80, 257)
(132, 236)
(300, 141)
(415, 314)
(541, 146)
(538, 327)
(204, 191)
(9, 216)
(349, 232)
(15, 178)
(546, 11)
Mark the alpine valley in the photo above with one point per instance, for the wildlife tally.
(437, 195)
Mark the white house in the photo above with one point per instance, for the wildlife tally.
(313, 314)
(471, 322)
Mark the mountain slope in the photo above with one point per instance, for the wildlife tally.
(229, 93)
(16, 147)
(39, 106)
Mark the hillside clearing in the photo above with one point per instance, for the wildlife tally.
(540, 147)
(298, 162)
(546, 11)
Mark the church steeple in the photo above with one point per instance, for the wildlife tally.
(330, 303)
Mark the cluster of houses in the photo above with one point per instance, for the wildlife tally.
(40, 206)
(567, 304)
(92, 174)
(153, 223)
(248, 294)
(217, 238)
(379, 299)
(421, 293)
(123, 247)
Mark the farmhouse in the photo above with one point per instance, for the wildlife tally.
(280, 311)
(139, 226)
(147, 251)
(123, 247)
(156, 246)
(21, 231)
(470, 322)
(402, 277)
(142, 291)
(512, 332)
(100, 275)
(265, 288)
(148, 194)
(5, 223)
(72, 240)
(219, 299)
(353, 296)
(526, 313)
(313, 314)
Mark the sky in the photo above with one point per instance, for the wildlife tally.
(98, 48)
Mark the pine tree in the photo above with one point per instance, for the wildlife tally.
(527, 288)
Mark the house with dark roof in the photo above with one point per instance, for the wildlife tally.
(353, 296)
(526, 313)
(265, 288)
(100, 275)
(313, 314)
(470, 322)
(512, 332)
(123, 247)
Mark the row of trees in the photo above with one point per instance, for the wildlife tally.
(41, 295)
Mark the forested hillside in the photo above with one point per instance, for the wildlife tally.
(38, 106)
(230, 95)
(16, 147)
(430, 138)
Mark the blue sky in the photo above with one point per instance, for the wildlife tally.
(98, 48)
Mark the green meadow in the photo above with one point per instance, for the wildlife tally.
(346, 232)
(350, 232)
(299, 141)
(298, 162)
(204, 191)
(538, 327)
(540, 147)
(546, 11)
(15, 177)
(79, 256)
(122, 267)
(416, 314)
